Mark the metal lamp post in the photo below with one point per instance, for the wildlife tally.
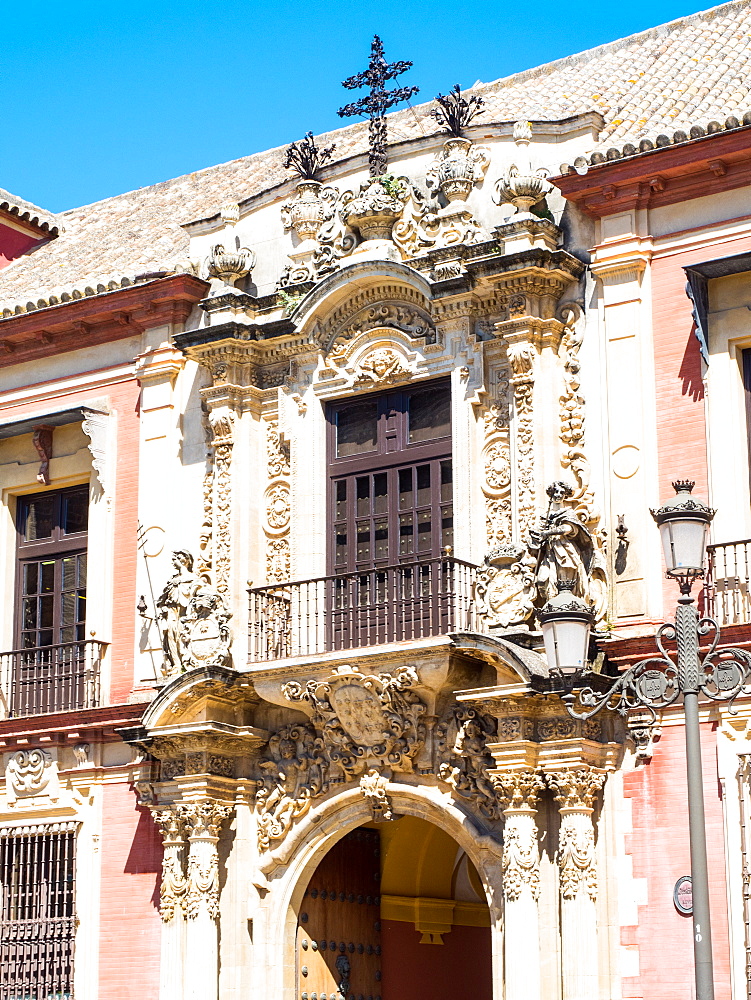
(658, 681)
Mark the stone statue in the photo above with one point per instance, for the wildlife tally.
(172, 605)
(565, 550)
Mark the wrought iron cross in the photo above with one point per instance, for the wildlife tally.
(377, 102)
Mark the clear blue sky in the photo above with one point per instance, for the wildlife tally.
(101, 98)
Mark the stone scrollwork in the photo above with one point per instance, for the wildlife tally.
(365, 719)
(28, 772)
(463, 759)
(374, 209)
(313, 215)
(222, 429)
(277, 506)
(295, 772)
(360, 726)
(521, 357)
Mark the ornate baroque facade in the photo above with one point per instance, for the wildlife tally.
(323, 460)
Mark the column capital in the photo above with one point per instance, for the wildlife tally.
(203, 818)
(174, 883)
(517, 790)
(575, 788)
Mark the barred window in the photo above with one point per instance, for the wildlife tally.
(37, 915)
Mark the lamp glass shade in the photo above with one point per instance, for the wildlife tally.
(566, 642)
(684, 542)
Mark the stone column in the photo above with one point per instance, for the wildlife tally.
(575, 790)
(172, 903)
(203, 820)
(517, 793)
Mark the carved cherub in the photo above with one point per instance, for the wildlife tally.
(294, 773)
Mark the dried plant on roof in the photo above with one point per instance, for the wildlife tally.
(306, 159)
(454, 112)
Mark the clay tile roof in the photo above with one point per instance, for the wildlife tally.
(690, 73)
(26, 212)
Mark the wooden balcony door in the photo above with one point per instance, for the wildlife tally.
(391, 514)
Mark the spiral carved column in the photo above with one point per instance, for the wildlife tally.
(517, 793)
(203, 820)
(575, 790)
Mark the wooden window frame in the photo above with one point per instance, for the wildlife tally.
(55, 547)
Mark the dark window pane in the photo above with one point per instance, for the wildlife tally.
(30, 613)
(81, 606)
(405, 489)
(76, 511)
(40, 518)
(48, 576)
(423, 485)
(82, 561)
(341, 499)
(68, 609)
(380, 493)
(46, 610)
(69, 572)
(429, 414)
(357, 429)
(446, 481)
(45, 637)
(30, 578)
(68, 634)
(363, 496)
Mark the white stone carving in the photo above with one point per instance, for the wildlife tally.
(373, 786)
(230, 263)
(192, 619)
(575, 790)
(222, 429)
(365, 720)
(376, 207)
(517, 793)
(380, 367)
(324, 238)
(96, 425)
(81, 754)
(277, 506)
(463, 759)
(505, 586)
(29, 772)
(520, 185)
(203, 820)
(295, 772)
(174, 883)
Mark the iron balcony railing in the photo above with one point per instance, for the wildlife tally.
(367, 608)
(726, 590)
(47, 679)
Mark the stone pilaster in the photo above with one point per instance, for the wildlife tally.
(202, 820)
(517, 793)
(172, 903)
(575, 790)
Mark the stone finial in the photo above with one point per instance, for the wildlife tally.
(522, 133)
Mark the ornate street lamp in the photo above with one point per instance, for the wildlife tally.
(658, 681)
(566, 623)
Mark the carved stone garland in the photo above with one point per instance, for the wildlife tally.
(203, 820)
(222, 442)
(174, 884)
(521, 358)
(277, 507)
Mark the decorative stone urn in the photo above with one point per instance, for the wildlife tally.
(305, 214)
(373, 211)
(520, 185)
(459, 166)
(230, 265)
(229, 261)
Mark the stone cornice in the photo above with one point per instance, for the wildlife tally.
(96, 725)
(704, 166)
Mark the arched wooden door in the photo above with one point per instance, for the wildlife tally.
(338, 938)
